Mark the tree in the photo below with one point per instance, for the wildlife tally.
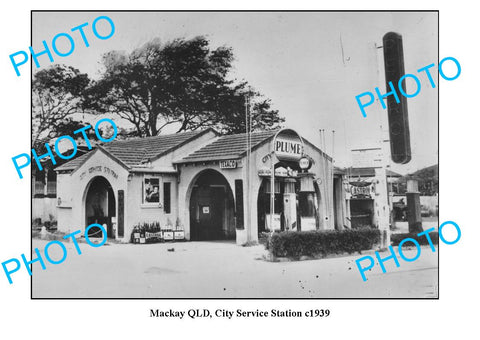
(182, 83)
(56, 96)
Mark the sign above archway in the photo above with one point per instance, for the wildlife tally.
(288, 145)
(99, 168)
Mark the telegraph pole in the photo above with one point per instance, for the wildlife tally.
(247, 165)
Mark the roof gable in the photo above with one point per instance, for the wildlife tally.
(235, 146)
(226, 147)
(140, 150)
(133, 152)
(76, 163)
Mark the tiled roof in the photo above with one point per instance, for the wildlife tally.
(128, 155)
(74, 163)
(226, 147)
(133, 152)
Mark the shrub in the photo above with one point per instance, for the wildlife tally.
(263, 238)
(422, 240)
(37, 224)
(313, 243)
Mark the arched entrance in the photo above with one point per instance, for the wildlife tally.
(100, 206)
(297, 200)
(211, 208)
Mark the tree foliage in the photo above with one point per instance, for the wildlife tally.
(183, 83)
(56, 96)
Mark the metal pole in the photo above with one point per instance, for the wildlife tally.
(325, 167)
(247, 168)
(249, 233)
(320, 224)
(322, 148)
(333, 179)
(272, 191)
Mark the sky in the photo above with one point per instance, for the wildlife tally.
(310, 64)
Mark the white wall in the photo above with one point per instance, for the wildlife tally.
(71, 189)
(43, 208)
(139, 212)
(322, 169)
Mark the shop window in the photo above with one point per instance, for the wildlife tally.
(39, 189)
(151, 190)
(51, 183)
(167, 188)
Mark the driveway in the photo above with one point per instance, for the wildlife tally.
(222, 270)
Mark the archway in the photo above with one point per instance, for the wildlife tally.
(263, 204)
(100, 206)
(211, 208)
(297, 203)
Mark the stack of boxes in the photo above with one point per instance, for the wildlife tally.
(153, 233)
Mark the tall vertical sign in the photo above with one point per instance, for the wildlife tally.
(239, 203)
(121, 213)
(397, 112)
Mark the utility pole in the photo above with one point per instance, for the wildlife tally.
(247, 165)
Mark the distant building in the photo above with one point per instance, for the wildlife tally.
(427, 179)
(363, 187)
(44, 189)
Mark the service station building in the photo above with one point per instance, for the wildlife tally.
(211, 187)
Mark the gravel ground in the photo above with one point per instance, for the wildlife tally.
(223, 270)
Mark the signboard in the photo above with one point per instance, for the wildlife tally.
(288, 146)
(264, 172)
(304, 163)
(308, 223)
(179, 235)
(121, 213)
(397, 112)
(238, 204)
(157, 234)
(279, 172)
(99, 168)
(276, 222)
(168, 235)
(367, 157)
(228, 164)
(361, 190)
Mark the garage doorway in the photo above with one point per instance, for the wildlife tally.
(211, 208)
(100, 206)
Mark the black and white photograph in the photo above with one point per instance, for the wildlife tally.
(254, 169)
(223, 154)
